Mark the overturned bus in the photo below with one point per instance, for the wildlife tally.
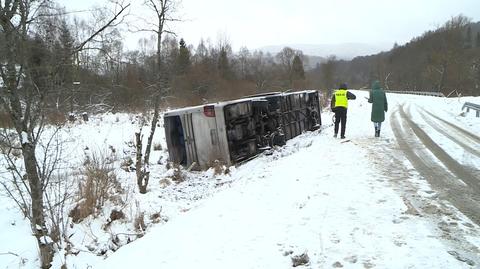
(234, 131)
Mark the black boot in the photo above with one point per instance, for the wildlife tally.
(377, 133)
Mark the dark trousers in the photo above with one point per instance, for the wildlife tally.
(340, 117)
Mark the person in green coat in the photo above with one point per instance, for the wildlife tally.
(379, 106)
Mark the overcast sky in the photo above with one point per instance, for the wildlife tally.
(258, 23)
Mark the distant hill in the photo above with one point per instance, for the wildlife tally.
(440, 60)
(343, 51)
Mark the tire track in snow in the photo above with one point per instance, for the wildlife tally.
(454, 126)
(449, 187)
(456, 168)
(444, 132)
(420, 159)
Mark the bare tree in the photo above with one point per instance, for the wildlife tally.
(23, 98)
(243, 57)
(286, 58)
(386, 81)
(163, 10)
(260, 67)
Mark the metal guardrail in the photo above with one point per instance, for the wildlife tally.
(473, 106)
(437, 94)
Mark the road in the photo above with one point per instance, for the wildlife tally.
(455, 182)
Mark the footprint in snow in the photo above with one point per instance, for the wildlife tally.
(351, 259)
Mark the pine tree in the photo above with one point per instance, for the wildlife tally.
(66, 51)
(224, 64)
(298, 73)
(183, 58)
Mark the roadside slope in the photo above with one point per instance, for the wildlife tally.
(331, 200)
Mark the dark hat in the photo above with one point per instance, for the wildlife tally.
(343, 86)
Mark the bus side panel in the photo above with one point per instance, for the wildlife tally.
(301, 112)
(206, 139)
(222, 136)
(314, 110)
(240, 131)
(189, 138)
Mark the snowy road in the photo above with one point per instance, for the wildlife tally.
(456, 182)
(369, 203)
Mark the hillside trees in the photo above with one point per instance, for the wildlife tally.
(298, 73)
(287, 57)
(260, 71)
(440, 60)
(243, 57)
(223, 64)
(444, 57)
(328, 73)
(468, 37)
(183, 61)
(28, 74)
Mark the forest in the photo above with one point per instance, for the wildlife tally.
(104, 76)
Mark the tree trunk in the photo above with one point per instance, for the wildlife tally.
(156, 114)
(39, 229)
(142, 172)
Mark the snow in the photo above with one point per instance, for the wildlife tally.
(322, 212)
(358, 204)
(18, 245)
(46, 240)
(24, 138)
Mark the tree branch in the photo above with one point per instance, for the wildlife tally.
(79, 47)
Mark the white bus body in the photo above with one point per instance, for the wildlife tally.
(234, 131)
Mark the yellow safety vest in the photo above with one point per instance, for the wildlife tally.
(341, 98)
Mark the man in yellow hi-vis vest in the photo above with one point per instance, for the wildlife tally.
(339, 105)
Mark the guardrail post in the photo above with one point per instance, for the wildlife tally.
(473, 106)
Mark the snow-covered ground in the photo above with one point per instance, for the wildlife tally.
(355, 204)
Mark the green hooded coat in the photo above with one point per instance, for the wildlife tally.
(379, 102)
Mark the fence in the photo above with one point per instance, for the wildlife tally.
(473, 106)
(437, 94)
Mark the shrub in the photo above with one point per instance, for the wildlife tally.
(116, 214)
(156, 217)
(299, 260)
(178, 175)
(126, 164)
(5, 121)
(139, 223)
(99, 184)
(56, 118)
(164, 182)
(157, 147)
(219, 168)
